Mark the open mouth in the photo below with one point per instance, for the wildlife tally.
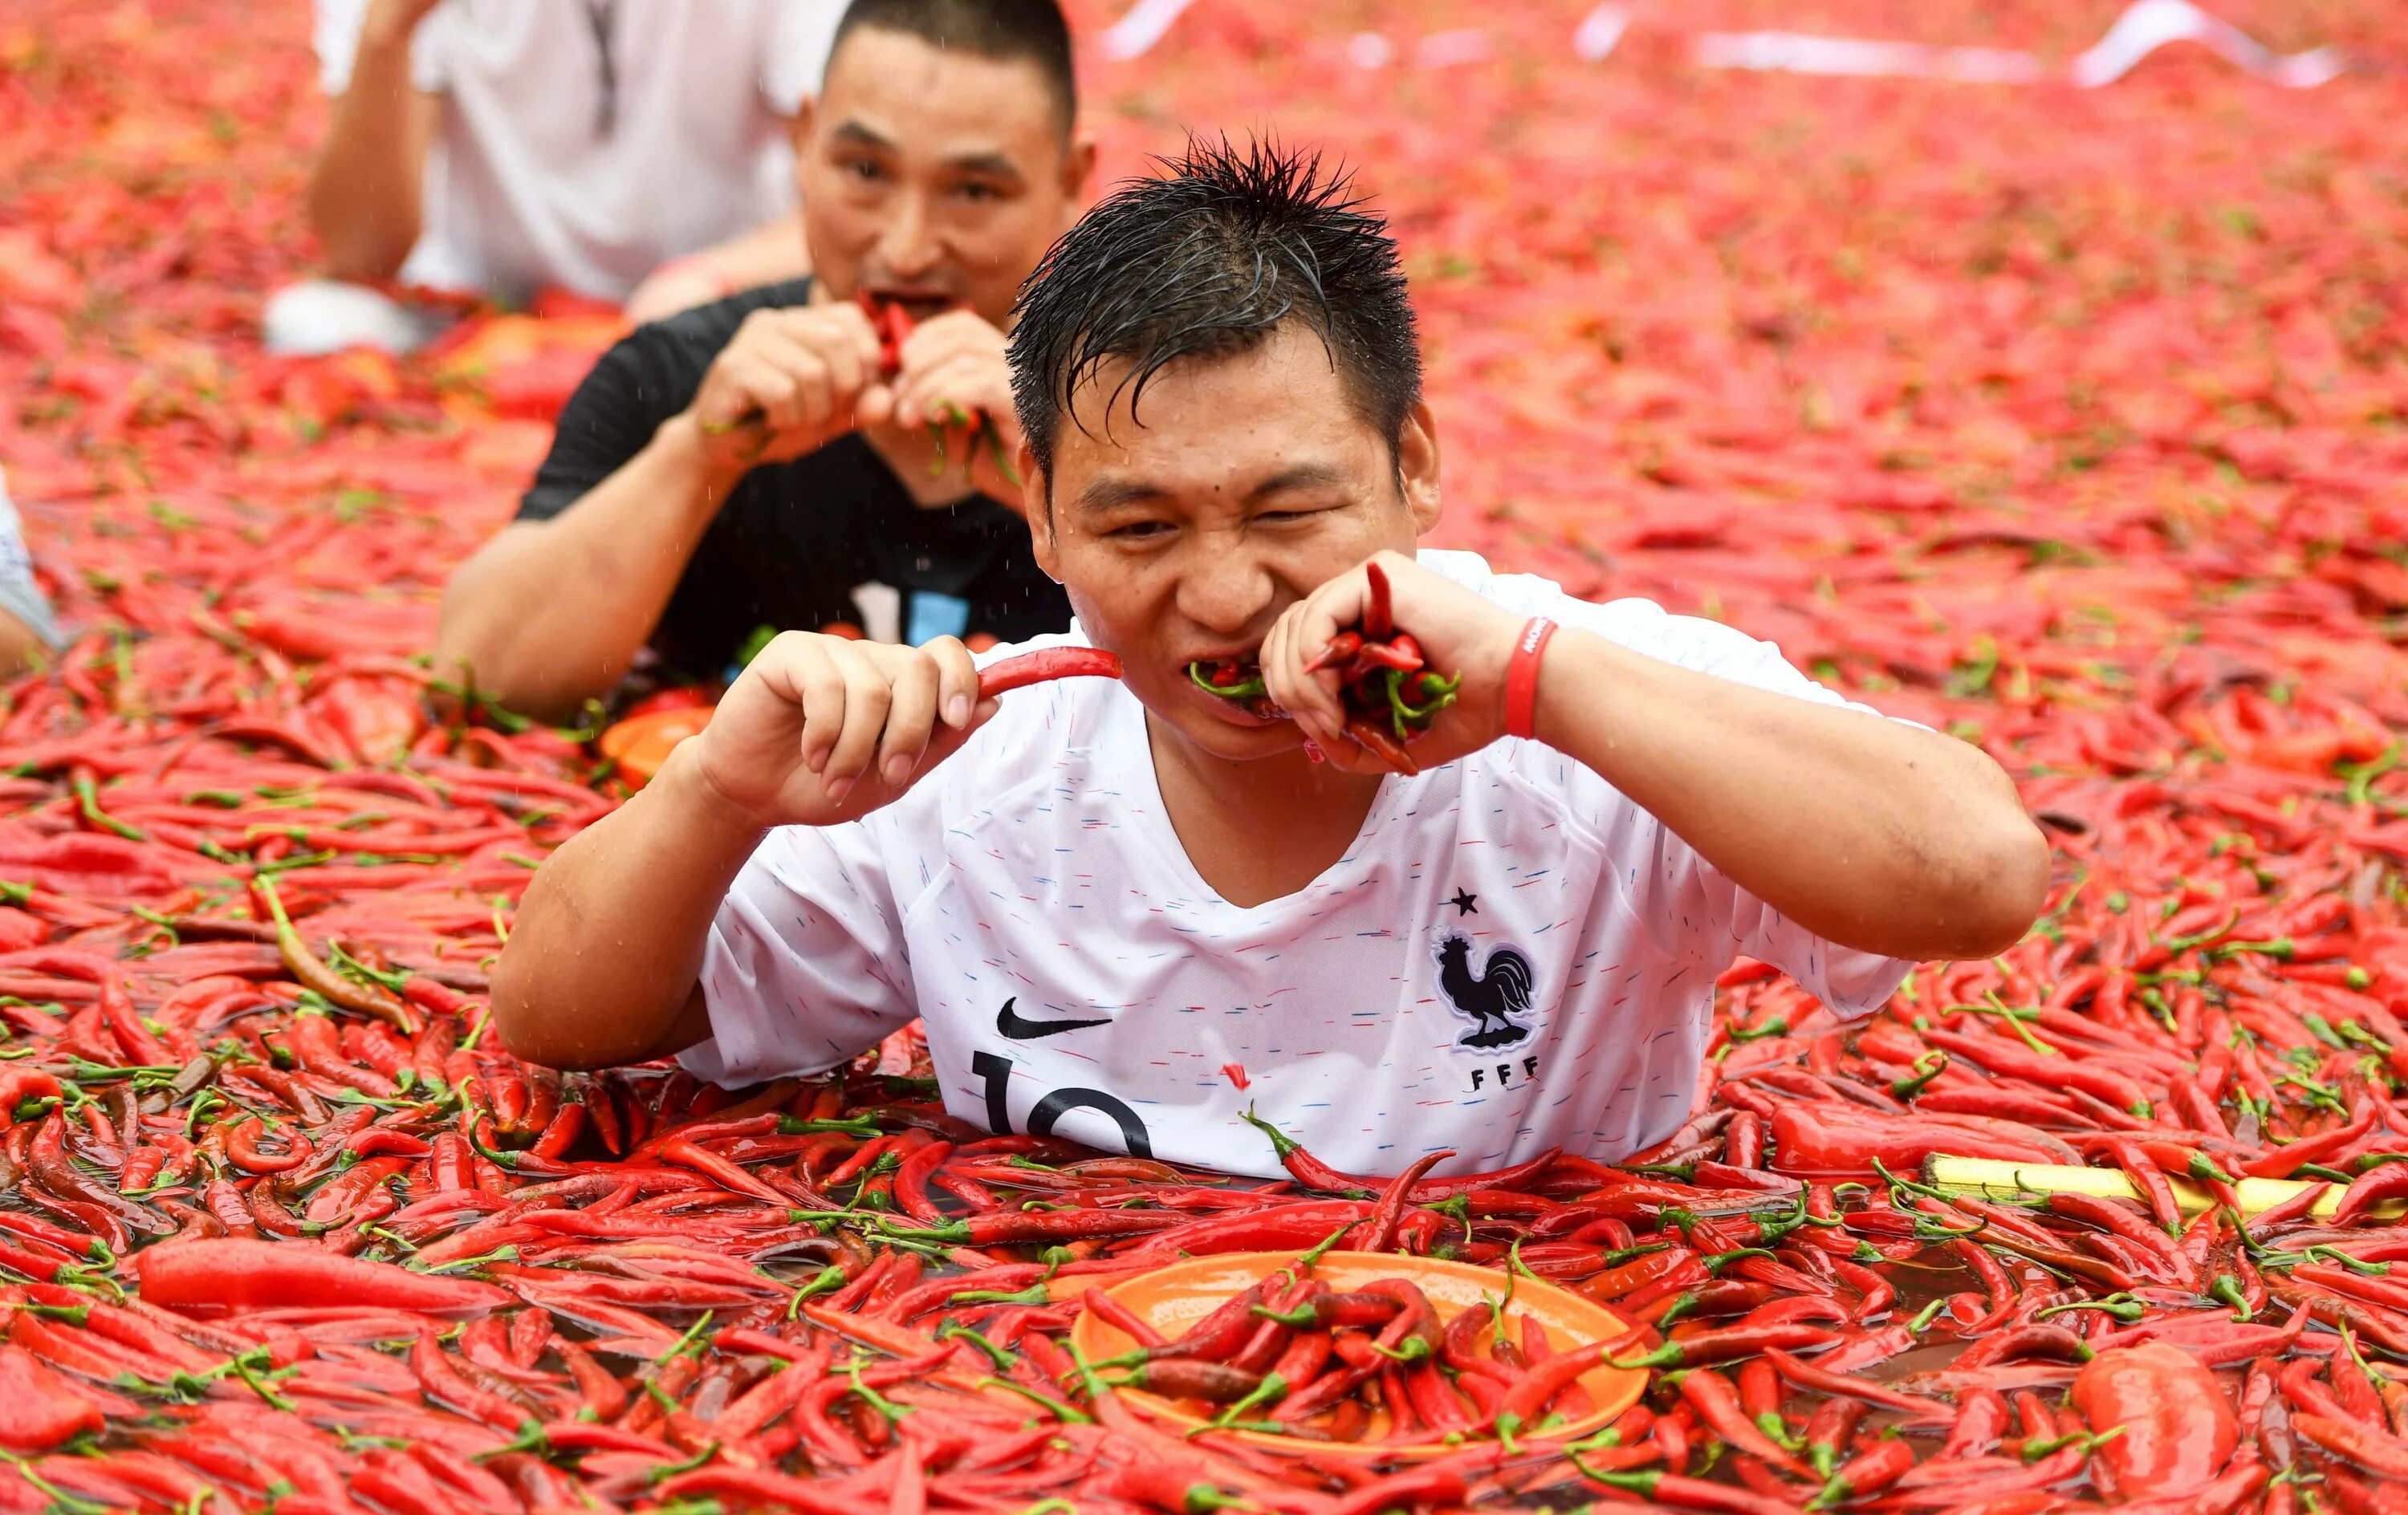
(921, 305)
(1239, 685)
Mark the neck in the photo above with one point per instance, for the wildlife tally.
(1258, 830)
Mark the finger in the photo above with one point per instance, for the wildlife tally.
(1347, 756)
(866, 700)
(956, 680)
(910, 715)
(812, 379)
(818, 686)
(840, 324)
(874, 406)
(946, 740)
(795, 668)
(761, 394)
(922, 394)
(1311, 699)
(727, 398)
(946, 335)
(840, 356)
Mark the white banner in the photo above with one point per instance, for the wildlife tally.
(2144, 26)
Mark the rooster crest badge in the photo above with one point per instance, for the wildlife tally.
(1493, 998)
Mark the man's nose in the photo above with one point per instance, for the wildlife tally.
(1226, 590)
(910, 247)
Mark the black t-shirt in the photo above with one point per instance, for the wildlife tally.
(793, 539)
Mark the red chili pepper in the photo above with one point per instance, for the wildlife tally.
(1717, 1404)
(1045, 664)
(1379, 622)
(236, 1274)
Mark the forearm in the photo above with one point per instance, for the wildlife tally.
(1872, 834)
(609, 942)
(550, 614)
(363, 200)
(18, 645)
(767, 254)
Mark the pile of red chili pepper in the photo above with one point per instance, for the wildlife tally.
(1937, 386)
(1390, 698)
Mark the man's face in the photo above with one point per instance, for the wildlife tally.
(1252, 482)
(931, 176)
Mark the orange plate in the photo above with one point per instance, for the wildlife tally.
(640, 745)
(1173, 1298)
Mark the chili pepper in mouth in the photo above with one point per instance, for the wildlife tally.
(1388, 697)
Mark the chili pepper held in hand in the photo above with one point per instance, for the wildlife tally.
(1045, 664)
(1388, 697)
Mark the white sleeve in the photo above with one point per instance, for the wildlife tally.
(805, 966)
(19, 595)
(796, 35)
(1690, 906)
(335, 34)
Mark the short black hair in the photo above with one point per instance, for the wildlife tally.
(1006, 31)
(1207, 261)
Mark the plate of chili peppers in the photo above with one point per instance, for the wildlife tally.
(1390, 693)
(1362, 1354)
(642, 743)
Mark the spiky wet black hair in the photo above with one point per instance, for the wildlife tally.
(1207, 259)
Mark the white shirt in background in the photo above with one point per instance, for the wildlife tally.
(1512, 956)
(525, 190)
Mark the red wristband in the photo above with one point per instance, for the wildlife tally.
(1521, 677)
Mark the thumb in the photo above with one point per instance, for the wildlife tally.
(874, 406)
(944, 741)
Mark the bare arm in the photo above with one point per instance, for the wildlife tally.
(1869, 832)
(365, 191)
(603, 963)
(767, 254)
(550, 613)
(18, 645)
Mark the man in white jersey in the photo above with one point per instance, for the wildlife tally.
(1115, 903)
(631, 150)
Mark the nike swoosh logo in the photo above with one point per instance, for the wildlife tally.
(1018, 1027)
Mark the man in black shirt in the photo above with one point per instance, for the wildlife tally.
(746, 465)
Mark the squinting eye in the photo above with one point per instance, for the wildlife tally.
(1139, 530)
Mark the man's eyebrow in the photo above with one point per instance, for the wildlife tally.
(1110, 494)
(997, 164)
(854, 131)
(1304, 476)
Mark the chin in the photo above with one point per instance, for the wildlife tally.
(1234, 743)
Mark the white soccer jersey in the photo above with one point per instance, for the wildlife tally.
(1512, 956)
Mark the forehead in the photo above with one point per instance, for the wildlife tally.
(1276, 403)
(943, 102)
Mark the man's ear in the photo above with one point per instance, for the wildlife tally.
(1078, 167)
(798, 125)
(1037, 505)
(1417, 466)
